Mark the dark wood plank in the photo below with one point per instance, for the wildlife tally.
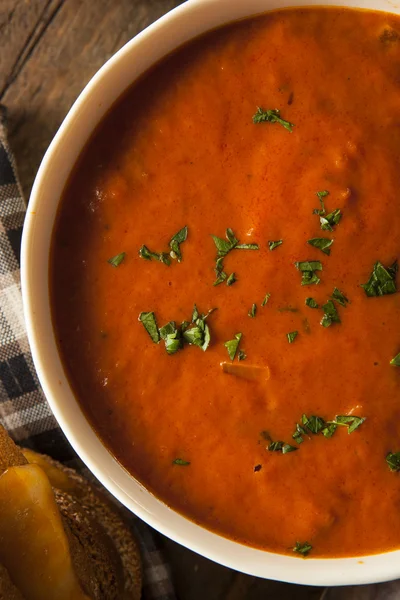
(18, 21)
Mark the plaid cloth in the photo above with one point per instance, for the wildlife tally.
(24, 411)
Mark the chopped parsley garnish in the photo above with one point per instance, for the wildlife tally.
(302, 548)
(273, 245)
(150, 324)
(382, 280)
(181, 462)
(330, 314)
(350, 421)
(317, 425)
(266, 298)
(198, 333)
(308, 270)
(288, 448)
(221, 277)
(322, 244)
(175, 243)
(223, 248)
(252, 311)
(329, 430)
(281, 447)
(147, 254)
(242, 355)
(291, 309)
(172, 337)
(115, 261)
(175, 250)
(231, 279)
(232, 345)
(340, 297)
(247, 247)
(311, 303)
(271, 116)
(393, 461)
(395, 362)
(195, 332)
(321, 195)
(313, 424)
(327, 221)
(298, 434)
(291, 336)
(275, 446)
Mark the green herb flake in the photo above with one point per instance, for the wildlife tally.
(309, 265)
(247, 247)
(340, 297)
(252, 312)
(308, 270)
(322, 244)
(231, 279)
(147, 254)
(221, 277)
(181, 462)
(195, 314)
(313, 424)
(223, 248)
(311, 303)
(291, 336)
(291, 309)
(393, 461)
(381, 281)
(273, 245)
(232, 345)
(321, 195)
(351, 421)
(395, 362)
(298, 434)
(266, 298)
(167, 329)
(271, 116)
(329, 430)
(302, 548)
(175, 243)
(148, 319)
(242, 355)
(276, 446)
(329, 221)
(198, 333)
(173, 342)
(288, 448)
(330, 314)
(116, 260)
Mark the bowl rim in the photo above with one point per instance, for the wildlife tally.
(34, 282)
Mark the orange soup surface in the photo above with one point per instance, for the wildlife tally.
(280, 136)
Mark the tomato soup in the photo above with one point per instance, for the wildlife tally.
(255, 172)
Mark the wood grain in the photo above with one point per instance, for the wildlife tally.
(49, 49)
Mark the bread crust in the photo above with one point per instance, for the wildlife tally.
(104, 552)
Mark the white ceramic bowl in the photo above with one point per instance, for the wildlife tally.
(180, 25)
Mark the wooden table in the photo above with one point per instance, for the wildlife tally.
(49, 49)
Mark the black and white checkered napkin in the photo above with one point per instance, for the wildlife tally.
(24, 411)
